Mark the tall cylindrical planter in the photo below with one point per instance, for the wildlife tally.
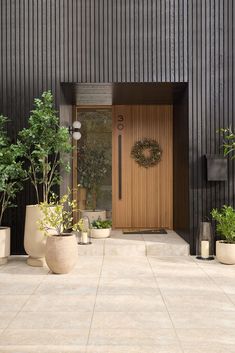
(61, 253)
(34, 239)
(5, 240)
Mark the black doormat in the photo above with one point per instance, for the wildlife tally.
(145, 231)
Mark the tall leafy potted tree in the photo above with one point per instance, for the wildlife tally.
(11, 176)
(42, 145)
(92, 168)
(225, 226)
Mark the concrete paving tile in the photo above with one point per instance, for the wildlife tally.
(126, 267)
(203, 319)
(44, 337)
(87, 266)
(51, 320)
(6, 318)
(61, 303)
(67, 285)
(218, 302)
(156, 348)
(129, 303)
(15, 284)
(133, 320)
(188, 286)
(12, 303)
(17, 266)
(42, 349)
(216, 336)
(132, 337)
(119, 286)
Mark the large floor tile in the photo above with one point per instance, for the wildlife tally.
(127, 303)
(118, 286)
(12, 303)
(6, 318)
(208, 347)
(15, 284)
(87, 266)
(203, 319)
(44, 337)
(218, 302)
(132, 337)
(201, 335)
(188, 286)
(67, 285)
(61, 303)
(227, 284)
(125, 250)
(94, 249)
(17, 266)
(139, 320)
(42, 349)
(123, 266)
(156, 348)
(51, 320)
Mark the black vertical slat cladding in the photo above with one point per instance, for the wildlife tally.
(44, 43)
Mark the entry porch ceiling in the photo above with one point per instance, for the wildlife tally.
(122, 93)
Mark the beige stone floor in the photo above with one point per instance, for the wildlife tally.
(118, 304)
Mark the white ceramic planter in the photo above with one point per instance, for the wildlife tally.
(61, 253)
(94, 215)
(225, 253)
(34, 239)
(5, 241)
(100, 233)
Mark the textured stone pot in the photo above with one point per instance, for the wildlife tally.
(225, 252)
(5, 241)
(94, 215)
(34, 239)
(100, 233)
(61, 253)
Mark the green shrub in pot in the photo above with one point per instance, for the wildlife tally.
(57, 225)
(225, 226)
(11, 177)
(101, 229)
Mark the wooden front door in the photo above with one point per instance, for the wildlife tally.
(142, 197)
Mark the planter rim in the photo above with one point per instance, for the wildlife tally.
(61, 235)
(4, 227)
(93, 210)
(225, 242)
(36, 205)
(101, 228)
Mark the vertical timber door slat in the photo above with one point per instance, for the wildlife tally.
(147, 194)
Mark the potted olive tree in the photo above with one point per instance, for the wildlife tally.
(225, 226)
(11, 176)
(57, 225)
(42, 146)
(92, 168)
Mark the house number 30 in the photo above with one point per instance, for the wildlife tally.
(120, 124)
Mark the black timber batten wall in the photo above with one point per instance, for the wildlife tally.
(45, 42)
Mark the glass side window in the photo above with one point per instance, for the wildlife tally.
(95, 158)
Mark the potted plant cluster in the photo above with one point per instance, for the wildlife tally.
(92, 167)
(42, 146)
(101, 229)
(57, 225)
(225, 226)
(11, 177)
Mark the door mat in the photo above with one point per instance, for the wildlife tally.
(145, 231)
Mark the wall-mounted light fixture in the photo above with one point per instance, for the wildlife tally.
(74, 130)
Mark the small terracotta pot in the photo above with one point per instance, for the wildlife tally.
(225, 252)
(5, 238)
(61, 253)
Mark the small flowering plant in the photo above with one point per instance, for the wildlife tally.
(58, 215)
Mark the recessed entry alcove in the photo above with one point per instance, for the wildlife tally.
(137, 197)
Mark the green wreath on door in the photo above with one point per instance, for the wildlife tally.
(154, 151)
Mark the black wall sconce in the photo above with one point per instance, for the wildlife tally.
(217, 167)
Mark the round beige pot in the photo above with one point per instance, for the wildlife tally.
(225, 252)
(94, 215)
(61, 253)
(34, 239)
(100, 233)
(5, 241)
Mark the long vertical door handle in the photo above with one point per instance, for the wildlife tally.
(120, 167)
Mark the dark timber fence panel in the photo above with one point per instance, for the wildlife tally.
(45, 42)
